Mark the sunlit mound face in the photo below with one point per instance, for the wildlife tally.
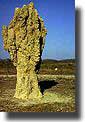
(31, 6)
(24, 39)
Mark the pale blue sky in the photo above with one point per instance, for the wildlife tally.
(59, 19)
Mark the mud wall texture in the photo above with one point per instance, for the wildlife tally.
(24, 39)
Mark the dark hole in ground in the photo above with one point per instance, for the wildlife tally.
(46, 85)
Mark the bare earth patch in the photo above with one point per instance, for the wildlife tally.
(58, 95)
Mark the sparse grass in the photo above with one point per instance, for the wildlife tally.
(58, 88)
(59, 97)
(65, 67)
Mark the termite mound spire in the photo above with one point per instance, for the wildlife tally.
(24, 39)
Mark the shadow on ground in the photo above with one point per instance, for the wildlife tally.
(46, 85)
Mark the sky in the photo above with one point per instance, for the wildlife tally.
(59, 20)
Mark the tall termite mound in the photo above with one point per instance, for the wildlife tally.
(24, 39)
